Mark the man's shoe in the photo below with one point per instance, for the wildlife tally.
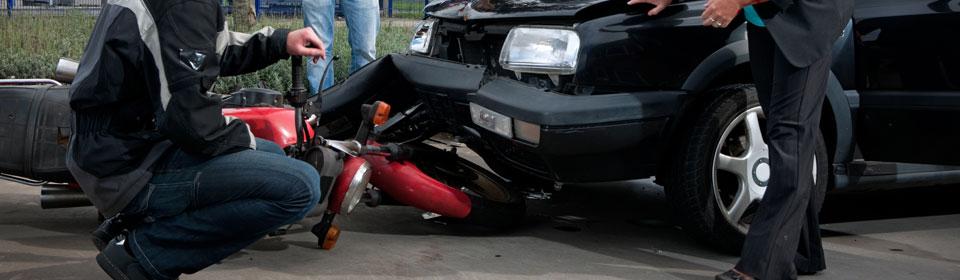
(118, 263)
(109, 229)
(733, 275)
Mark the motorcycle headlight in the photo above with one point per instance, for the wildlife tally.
(542, 50)
(422, 35)
(356, 188)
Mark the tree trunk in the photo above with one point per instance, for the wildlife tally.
(244, 15)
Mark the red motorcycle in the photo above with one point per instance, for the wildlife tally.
(36, 118)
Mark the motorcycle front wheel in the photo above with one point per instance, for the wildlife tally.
(495, 203)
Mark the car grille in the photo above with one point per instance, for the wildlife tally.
(454, 43)
(446, 109)
(458, 47)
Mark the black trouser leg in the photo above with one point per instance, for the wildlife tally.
(792, 99)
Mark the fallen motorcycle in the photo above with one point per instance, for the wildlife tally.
(36, 129)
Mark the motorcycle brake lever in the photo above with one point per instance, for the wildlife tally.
(352, 148)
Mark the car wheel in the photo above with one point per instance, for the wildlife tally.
(723, 168)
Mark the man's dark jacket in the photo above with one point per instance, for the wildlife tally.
(805, 29)
(142, 88)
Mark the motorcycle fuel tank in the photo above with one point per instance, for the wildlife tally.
(270, 123)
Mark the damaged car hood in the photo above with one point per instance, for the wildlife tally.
(500, 9)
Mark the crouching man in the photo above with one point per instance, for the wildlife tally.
(150, 143)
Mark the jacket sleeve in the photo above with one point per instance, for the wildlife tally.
(242, 53)
(187, 114)
(783, 4)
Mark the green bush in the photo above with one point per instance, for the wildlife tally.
(30, 46)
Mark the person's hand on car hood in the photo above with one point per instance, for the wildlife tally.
(717, 13)
(660, 5)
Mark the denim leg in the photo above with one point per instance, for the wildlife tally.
(319, 14)
(363, 23)
(199, 214)
(269, 146)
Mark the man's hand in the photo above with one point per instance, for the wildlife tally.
(660, 5)
(304, 42)
(719, 13)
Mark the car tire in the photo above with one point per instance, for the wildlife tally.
(702, 192)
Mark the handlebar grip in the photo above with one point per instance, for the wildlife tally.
(296, 70)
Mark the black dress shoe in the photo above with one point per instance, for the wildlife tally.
(732, 275)
(111, 228)
(120, 264)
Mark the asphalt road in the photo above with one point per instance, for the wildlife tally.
(609, 231)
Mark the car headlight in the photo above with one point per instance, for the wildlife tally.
(422, 35)
(543, 50)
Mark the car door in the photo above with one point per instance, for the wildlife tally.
(908, 77)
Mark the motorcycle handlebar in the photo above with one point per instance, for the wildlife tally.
(296, 73)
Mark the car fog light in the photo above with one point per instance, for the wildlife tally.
(526, 131)
(493, 121)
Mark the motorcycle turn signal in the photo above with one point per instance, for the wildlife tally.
(381, 113)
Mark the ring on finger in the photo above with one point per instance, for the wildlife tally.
(717, 24)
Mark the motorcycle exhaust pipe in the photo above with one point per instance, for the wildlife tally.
(66, 70)
(59, 197)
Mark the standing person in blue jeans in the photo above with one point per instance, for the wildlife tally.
(363, 23)
(151, 145)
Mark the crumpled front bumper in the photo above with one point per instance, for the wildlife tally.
(588, 138)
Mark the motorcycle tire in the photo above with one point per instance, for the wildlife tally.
(495, 203)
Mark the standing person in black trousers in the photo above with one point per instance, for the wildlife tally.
(790, 43)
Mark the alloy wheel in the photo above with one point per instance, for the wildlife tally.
(741, 168)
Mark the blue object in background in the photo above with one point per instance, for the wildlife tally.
(752, 16)
(9, 8)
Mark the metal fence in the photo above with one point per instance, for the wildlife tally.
(49, 7)
(283, 8)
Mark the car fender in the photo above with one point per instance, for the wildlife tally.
(719, 62)
(842, 103)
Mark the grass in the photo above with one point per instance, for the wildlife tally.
(30, 46)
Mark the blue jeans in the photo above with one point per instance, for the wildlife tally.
(363, 22)
(198, 211)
